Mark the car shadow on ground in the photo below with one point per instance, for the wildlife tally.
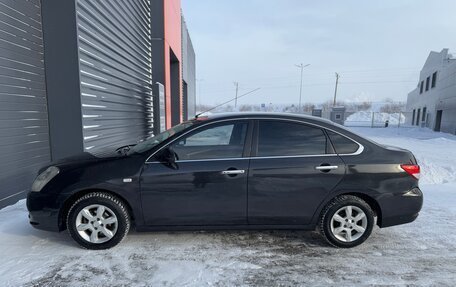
(241, 238)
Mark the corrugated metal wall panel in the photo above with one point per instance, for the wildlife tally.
(24, 133)
(116, 72)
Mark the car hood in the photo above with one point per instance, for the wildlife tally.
(83, 159)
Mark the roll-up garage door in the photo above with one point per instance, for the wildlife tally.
(115, 72)
(24, 135)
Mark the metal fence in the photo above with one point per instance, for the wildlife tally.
(377, 119)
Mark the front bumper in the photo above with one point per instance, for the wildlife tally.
(42, 215)
(401, 208)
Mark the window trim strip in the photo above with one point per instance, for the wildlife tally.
(358, 152)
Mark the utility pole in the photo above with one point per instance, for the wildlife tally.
(237, 90)
(335, 90)
(301, 66)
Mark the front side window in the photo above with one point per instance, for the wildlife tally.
(216, 141)
(282, 138)
(158, 139)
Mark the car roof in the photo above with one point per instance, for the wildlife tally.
(271, 115)
(325, 123)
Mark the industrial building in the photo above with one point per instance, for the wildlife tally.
(432, 103)
(82, 75)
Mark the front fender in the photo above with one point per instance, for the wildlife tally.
(128, 192)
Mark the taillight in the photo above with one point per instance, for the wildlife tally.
(412, 169)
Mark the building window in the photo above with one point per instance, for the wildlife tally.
(424, 115)
(418, 117)
(428, 81)
(413, 117)
(421, 87)
(434, 80)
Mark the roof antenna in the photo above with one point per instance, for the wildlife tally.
(252, 91)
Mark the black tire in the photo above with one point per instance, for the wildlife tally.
(336, 205)
(114, 205)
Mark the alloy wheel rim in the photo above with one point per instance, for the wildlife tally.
(348, 223)
(96, 223)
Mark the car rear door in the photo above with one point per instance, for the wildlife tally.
(292, 170)
(208, 185)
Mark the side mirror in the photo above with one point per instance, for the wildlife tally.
(168, 157)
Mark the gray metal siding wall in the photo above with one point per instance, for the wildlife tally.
(188, 71)
(116, 72)
(191, 79)
(24, 136)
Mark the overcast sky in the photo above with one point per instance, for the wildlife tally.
(377, 47)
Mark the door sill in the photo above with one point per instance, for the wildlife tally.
(223, 227)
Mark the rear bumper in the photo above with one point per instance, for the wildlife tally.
(397, 220)
(401, 208)
(41, 216)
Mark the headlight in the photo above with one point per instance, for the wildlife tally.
(43, 178)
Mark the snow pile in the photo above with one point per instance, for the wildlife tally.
(364, 118)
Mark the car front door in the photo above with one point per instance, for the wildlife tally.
(292, 170)
(207, 183)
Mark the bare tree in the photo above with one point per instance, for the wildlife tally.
(392, 107)
(364, 106)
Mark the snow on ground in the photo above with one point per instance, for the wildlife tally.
(422, 253)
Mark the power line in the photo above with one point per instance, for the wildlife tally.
(328, 72)
(329, 83)
(370, 79)
(224, 103)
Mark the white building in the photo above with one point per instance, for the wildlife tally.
(432, 103)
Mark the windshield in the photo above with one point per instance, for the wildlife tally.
(155, 140)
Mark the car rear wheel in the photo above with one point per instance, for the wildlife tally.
(347, 221)
(98, 220)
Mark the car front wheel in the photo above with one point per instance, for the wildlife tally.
(347, 221)
(98, 220)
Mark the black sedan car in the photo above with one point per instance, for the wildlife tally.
(232, 171)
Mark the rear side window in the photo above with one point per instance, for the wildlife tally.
(341, 144)
(281, 138)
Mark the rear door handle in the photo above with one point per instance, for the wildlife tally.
(326, 167)
(234, 171)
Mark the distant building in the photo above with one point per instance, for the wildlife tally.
(432, 103)
(173, 60)
(188, 74)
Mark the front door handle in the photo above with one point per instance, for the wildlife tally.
(326, 167)
(233, 171)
